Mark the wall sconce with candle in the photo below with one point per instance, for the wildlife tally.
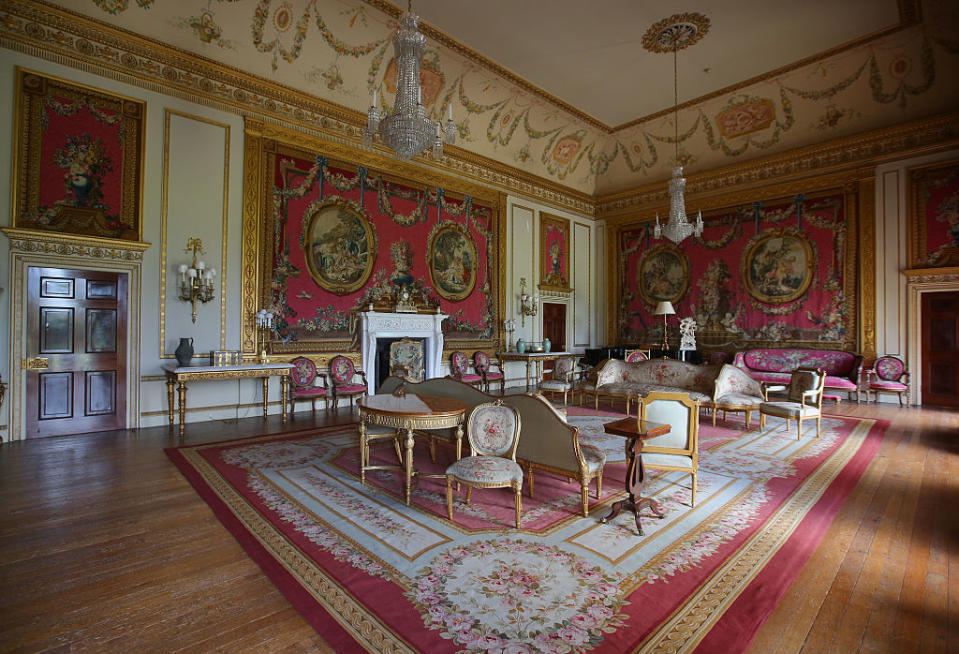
(528, 304)
(196, 280)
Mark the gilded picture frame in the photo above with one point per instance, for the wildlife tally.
(554, 255)
(78, 160)
(452, 260)
(662, 274)
(778, 266)
(934, 223)
(340, 245)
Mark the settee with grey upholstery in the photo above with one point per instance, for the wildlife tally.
(546, 441)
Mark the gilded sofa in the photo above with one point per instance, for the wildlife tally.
(775, 365)
(546, 442)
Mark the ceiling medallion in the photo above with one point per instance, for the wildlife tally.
(676, 32)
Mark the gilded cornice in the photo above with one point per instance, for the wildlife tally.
(927, 275)
(869, 149)
(68, 38)
(42, 242)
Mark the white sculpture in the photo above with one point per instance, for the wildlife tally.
(687, 332)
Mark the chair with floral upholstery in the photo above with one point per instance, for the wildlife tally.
(459, 370)
(343, 376)
(493, 430)
(803, 400)
(564, 378)
(484, 366)
(888, 375)
(303, 385)
(632, 356)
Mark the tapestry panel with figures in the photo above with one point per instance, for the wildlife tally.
(345, 238)
(760, 273)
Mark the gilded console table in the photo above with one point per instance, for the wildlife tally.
(180, 375)
(534, 362)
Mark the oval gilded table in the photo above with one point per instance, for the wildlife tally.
(408, 413)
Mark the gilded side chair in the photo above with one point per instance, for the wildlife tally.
(888, 375)
(493, 430)
(564, 378)
(679, 449)
(484, 366)
(803, 400)
(303, 378)
(343, 376)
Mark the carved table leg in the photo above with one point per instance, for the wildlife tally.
(408, 464)
(266, 396)
(284, 393)
(364, 450)
(170, 382)
(181, 390)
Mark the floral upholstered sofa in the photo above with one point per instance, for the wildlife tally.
(718, 387)
(775, 365)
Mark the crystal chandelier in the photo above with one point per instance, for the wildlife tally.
(673, 34)
(406, 130)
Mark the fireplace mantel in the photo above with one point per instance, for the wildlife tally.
(376, 324)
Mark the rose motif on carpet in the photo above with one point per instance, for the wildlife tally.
(517, 596)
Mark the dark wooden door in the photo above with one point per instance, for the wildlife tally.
(940, 349)
(554, 325)
(77, 341)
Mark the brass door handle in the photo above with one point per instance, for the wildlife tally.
(36, 363)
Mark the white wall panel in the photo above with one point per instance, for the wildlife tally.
(583, 290)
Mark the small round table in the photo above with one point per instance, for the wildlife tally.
(408, 413)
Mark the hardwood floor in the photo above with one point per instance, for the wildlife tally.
(104, 546)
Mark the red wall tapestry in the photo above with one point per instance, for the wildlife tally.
(935, 220)
(344, 238)
(79, 159)
(760, 274)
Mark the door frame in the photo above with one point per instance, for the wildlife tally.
(52, 250)
(918, 282)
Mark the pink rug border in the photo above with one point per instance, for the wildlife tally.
(741, 622)
(734, 631)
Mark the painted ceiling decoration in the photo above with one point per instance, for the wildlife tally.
(339, 50)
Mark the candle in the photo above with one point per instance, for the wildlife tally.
(451, 111)
(374, 97)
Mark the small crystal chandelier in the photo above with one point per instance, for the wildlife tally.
(407, 130)
(673, 34)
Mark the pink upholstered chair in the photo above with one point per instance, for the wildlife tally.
(493, 430)
(459, 370)
(632, 356)
(889, 375)
(343, 377)
(303, 378)
(483, 365)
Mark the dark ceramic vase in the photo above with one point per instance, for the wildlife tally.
(184, 351)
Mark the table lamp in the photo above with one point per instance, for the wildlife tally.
(665, 309)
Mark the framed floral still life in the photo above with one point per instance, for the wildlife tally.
(778, 266)
(663, 275)
(339, 244)
(78, 166)
(554, 253)
(452, 260)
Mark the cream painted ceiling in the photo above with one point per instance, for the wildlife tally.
(590, 54)
(563, 89)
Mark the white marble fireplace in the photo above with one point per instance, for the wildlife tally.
(428, 326)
